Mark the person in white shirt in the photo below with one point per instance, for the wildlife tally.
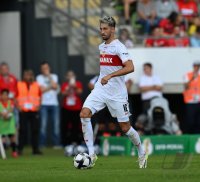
(49, 104)
(150, 86)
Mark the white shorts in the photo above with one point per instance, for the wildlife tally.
(118, 108)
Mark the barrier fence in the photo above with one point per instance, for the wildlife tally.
(152, 144)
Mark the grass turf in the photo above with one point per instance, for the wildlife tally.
(53, 166)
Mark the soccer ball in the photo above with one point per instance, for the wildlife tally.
(82, 161)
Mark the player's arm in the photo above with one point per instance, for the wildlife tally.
(127, 68)
(150, 88)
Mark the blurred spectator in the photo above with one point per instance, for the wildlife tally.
(157, 39)
(7, 120)
(194, 24)
(49, 105)
(124, 37)
(195, 39)
(71, 106)
(150, 86)
(187, 8)
(192, 99)
(28, 102)
(127, 4)
(178, 39)
(172, 21)
(147, 16)
(8, 80)
(165, 7)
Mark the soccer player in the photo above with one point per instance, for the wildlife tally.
(110, 90)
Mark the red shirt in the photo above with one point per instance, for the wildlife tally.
(72, 101)
(179, 42)
(187, 9)
(9, 83)
(160, 42)
(168, 27)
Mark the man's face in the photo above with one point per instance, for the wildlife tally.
(106, 31)
(28, 77)
(70, 75)
(196, 68)
(147, 70)
(4, 70)
(45, 69)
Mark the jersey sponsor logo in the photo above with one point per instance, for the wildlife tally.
(105, 60)
(110, 60)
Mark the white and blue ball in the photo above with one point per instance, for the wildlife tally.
(82, 161)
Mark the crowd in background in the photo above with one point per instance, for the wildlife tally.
(28, 106)
(165, 23)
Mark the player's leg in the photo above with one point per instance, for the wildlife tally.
(121, 111)
(88, 134)
(93, 103)
(135, 139)
(87, 130)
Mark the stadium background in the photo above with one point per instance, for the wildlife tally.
(36, 30)
(45, 34)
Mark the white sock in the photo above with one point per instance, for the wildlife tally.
(88, 134)
(135, 138)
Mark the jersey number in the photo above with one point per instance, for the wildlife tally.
(125, 108)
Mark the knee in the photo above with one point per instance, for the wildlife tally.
(85, 113)
(125, 127)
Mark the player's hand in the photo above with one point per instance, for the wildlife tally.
(105, 79)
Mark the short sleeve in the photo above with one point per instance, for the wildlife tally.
(122, 52)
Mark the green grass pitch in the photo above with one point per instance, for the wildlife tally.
(53, 166)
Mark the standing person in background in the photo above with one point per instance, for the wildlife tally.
(28, 102)
(191, 96)
(49, 105)
(150, 86)
(9, 81)
(7, 121)
(71, 106)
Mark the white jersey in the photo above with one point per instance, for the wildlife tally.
(112, 58)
